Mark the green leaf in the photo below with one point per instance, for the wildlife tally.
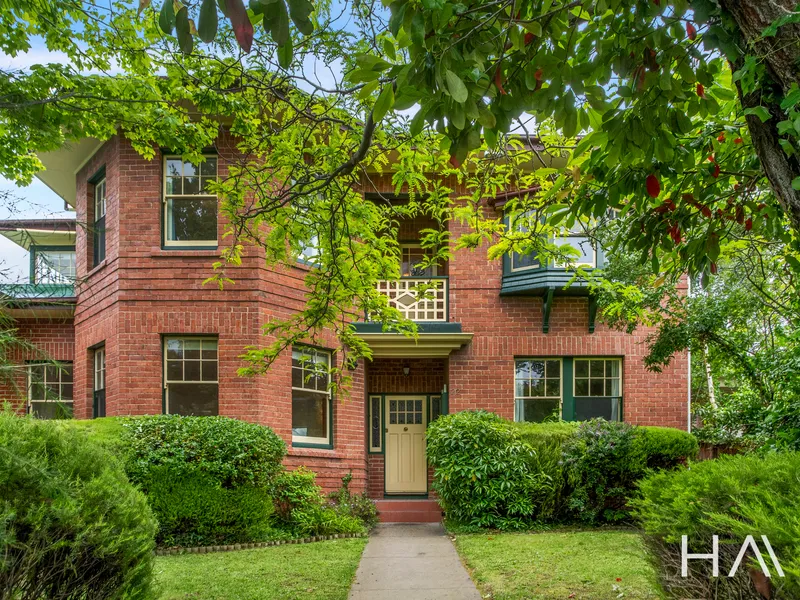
(300, 10)
(207, 25)
(388, 49)
(759, 111)
(166, 18)
(417, 123)
(383, 104)
(276, 21)
(796, 183)
(285, 53)
(367, 90)
(185, 39)
(458, 91)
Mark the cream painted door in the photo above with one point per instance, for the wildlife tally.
(406, 466)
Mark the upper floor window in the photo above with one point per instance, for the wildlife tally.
(523, 261)
(586, 257)
(413, 262)
(52, 264)
(191, 376)
(50, 390)
(311, 396)
(190, 209)
(576, 239)
(99, 222)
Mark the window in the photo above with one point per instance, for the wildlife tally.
(53, 265)
(99, 396)
(598, 388)
(435, 408)
(50, 390)
(99, 222)
(537, 389)
(190, 209)
(587, 256)
(375, 438)
(523, 262)
(412, 256)
(191, 376)
(311, 397)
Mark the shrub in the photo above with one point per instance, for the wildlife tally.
(733, 496)
(193, 509)
(355, 505)
(665, 447)
(233, 452)
(484, 473)
(299, 506)
(73, 527)
(602, 461)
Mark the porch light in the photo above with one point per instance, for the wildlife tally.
(406, 370)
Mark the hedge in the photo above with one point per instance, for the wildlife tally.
(732, 497)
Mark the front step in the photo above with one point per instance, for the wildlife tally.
(423, 510)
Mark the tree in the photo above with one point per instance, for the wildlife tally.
(682, 117)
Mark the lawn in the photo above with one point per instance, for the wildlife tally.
(579, 565)
(318, 571)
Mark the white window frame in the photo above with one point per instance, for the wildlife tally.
(54, 276)
(99, 368)
(304, 439)
(100, 199)
(572, 234)
(514, 269)
(517, 413)
(61, 383)
(589, 378)
(410, 246)
(167, 197)
(184, 338)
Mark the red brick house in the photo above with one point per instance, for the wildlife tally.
(144, 336)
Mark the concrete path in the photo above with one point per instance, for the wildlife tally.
(411, 562)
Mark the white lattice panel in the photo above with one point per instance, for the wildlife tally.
(418, 298)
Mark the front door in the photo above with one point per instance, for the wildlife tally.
(406, 465)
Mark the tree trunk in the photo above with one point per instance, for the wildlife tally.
(712, 397)
(781, 55)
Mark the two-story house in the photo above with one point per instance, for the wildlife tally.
(142, 335)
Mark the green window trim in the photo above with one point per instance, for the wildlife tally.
(36, 250)
(569, 401)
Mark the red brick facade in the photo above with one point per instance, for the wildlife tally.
(141, 292)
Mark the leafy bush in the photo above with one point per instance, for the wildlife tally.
(355, 505)
(233, 452)
(484, 472)
(733, 497)
(299, 505)
(665, 447)
(73, 527)
(602, 461)
(193, 509)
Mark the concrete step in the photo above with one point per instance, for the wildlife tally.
(409, 511)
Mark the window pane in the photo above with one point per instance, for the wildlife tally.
(189, 169)
(597, 368)
(553, 368)
(191, 370)
(612, 387)
(66, 391)
(204, 184)
(436, 407)
(537, 387)
(66, 373)
(174, 348)
(209, 370)
(375, 422)
(612, 368)
(191, 349)
(174, 166)
(553, 387)
(523, 369)
(297, 377)
(591, 408)
(209, 349)
(582, 245)
(581, 387)
(209, 167)
(536, 411)
(173, 186)
(524, 261)
(537, 368)
(596, 387)
(581, 368)
(174, 370)
(201, 399)
(523, 388)
(52, 410)
(309, 414)
(191, 185)
(51, 374)
(193, 219)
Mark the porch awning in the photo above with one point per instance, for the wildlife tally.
(425, 345)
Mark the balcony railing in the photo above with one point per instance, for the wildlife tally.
(417, 298)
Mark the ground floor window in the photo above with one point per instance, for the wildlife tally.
(50, 390)
(99, 395)
(569, 388)
(311, 397)
(191, 380)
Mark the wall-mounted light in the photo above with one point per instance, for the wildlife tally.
(406, 370)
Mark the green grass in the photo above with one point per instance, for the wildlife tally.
(318, 571)
(556, 565)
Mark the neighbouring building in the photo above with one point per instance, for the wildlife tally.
(141, 334)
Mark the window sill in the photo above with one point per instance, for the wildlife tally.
(183, 253)
(98, 268)
(314, 451)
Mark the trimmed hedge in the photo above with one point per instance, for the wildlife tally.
(490, 472)
(732, 497)
(72, 524)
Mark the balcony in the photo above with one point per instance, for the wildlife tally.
(421, 299)
(425, 301)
